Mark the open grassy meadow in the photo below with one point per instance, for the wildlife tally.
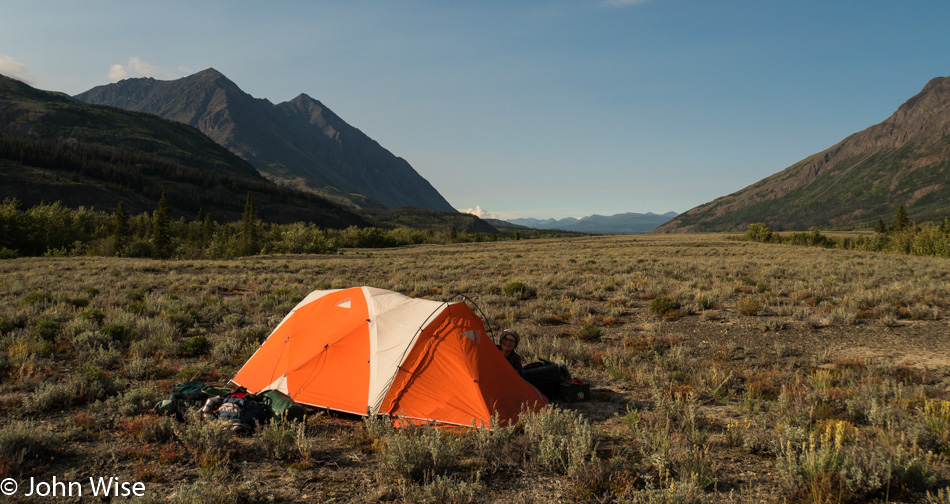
(721, 371)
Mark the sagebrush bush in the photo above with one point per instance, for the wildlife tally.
(94, 315)
(705, 301)
(444, 490)
(420, 453)
(24, 443)
(87, 383)
(202, 492)
(182, 316)
(749, 306)
(136, 400)
(205, 440)
(936, 416)
(560, 439)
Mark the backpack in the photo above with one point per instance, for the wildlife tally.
(243, 411)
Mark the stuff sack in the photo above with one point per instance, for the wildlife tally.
(282, 407)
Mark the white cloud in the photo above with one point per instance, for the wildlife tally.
(479, 212)
(117, 73)
(10, 67)
(137, 68)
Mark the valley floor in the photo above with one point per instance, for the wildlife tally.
(721, 371)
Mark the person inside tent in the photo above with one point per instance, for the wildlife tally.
(509, 342)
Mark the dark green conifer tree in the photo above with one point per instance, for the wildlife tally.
(880, 227)
(161, 229)
(250, 244)
(121, 229)
(900, 220)
(206, 230)
(194, 231)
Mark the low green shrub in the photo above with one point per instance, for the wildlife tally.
(37, 297)
(79, 302)
(183, 317)
(758, 232)
(588, 332)
(195, 346)
(47, 330)
(663, 306)
(118, 332)
(94, 315)
(519, 290)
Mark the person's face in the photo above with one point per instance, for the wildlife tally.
(508, 343)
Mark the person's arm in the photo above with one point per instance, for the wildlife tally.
(517, 365)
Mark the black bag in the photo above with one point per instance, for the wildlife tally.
(545, 376)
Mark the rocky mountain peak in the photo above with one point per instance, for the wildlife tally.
(301, 142)
(929, 109)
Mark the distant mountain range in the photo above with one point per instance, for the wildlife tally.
(625, 223)
(301, 142)
(904, 160)
(55, 148)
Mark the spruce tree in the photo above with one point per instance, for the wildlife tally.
(161, 228)
(194, 229)
(249, 238)
(900, 220)
(206, 231)
(880, 228)
(120, 228)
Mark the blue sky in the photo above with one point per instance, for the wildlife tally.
(529, 108)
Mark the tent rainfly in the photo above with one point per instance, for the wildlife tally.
(370, 351)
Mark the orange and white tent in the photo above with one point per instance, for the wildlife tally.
(371, 351)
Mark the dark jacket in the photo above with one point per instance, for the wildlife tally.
(515, 360)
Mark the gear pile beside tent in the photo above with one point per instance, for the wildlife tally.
(370, 351)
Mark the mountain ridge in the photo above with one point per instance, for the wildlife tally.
(623, 223)
(56, 148)
(300, 142)
(903, 160)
